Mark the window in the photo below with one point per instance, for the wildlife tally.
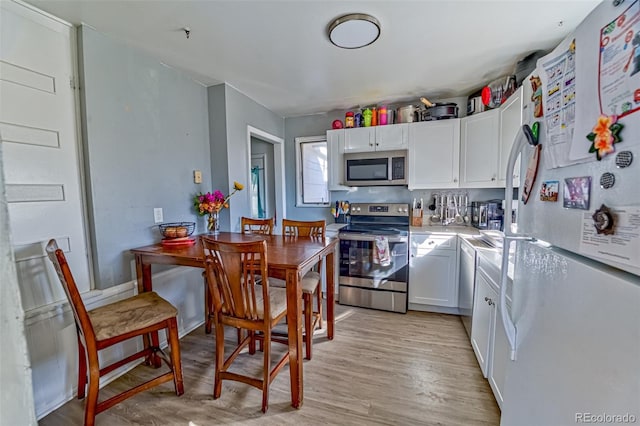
(312, 169)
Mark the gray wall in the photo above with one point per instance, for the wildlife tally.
(145, 129)
(218, 144)
(239, 112)
(318, 124)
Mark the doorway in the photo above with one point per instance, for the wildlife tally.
(262, 179)
(266, 167)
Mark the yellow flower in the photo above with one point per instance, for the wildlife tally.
(238, 186)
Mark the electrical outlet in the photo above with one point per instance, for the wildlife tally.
(197, 176)
(157, 215)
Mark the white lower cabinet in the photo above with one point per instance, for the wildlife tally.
(499, 359)
(433, 270)
(488, 337)
(483, 322)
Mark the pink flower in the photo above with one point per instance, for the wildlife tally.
(214, 202)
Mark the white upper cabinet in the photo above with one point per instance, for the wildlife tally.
(392, 137)
(335, 151)
(434, 154)
(511, 118)
(480, 134)
(359, 139)
(486, 143)
(376, 138)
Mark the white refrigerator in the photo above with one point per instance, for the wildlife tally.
(574, 323)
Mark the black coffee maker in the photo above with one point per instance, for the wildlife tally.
(487, 214)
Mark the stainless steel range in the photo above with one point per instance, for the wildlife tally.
(365, 280)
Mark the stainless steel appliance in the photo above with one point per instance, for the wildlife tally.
(487, 214)
(438, 111)
(376, 168)
(362, 281)
(407, 114)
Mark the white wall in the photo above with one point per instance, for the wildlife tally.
(16, 397)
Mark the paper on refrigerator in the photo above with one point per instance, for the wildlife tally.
(619, 63)
(558, 75)
(621, 247)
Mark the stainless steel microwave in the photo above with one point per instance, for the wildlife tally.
(376, 168)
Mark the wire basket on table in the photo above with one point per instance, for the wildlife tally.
(177, 229)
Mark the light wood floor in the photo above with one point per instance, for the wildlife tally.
(381, 368)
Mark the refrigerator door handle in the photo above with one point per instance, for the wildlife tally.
(507, 322)
(522, 139)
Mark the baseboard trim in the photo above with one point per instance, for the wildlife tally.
(115, 374)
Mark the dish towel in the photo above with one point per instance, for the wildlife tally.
(381, 254)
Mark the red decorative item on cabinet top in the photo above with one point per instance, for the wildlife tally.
(337, 124)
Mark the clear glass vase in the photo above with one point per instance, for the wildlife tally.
(213, 223)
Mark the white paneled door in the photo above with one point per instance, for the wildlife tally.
(41, 156)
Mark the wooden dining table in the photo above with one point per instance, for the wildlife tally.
(288, 258)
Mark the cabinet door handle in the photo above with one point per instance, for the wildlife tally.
(486, 299)
(493, 178)
(455, 179)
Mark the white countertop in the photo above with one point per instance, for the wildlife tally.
(335, 227)
(491, 255)
(458, 230)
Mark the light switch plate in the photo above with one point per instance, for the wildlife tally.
(157, 215)
(197, 176)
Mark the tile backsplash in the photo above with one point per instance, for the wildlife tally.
(400, 194)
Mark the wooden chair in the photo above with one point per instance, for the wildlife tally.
(311, 281)
(239, 302)
(248, 226)
(111, 324)
(257, 226)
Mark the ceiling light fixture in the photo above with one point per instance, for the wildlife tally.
(354, 30)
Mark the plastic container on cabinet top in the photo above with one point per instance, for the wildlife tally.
(382, 113)
(349, 120)
(366, 117)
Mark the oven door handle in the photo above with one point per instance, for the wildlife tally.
(370, 237)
